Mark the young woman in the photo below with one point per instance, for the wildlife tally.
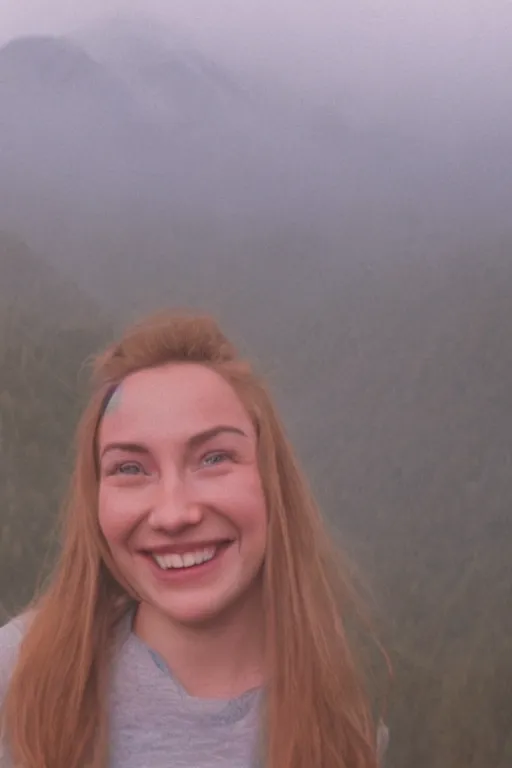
(195, 618)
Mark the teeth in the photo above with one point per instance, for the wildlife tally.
(187, 560)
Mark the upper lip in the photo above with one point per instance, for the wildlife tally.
(183, 548)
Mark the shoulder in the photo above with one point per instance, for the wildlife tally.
(382, 741)
(11, 635)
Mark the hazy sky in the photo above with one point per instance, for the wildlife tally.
(439, 60)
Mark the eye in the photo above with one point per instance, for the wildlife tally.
(126, 468)
(216, 457)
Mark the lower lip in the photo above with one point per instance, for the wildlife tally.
(185, 575)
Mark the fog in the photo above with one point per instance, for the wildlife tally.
(422, 66)
(334, 181)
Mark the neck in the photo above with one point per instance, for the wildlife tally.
(219, 659)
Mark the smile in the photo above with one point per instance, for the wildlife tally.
(185, 560)
(195, 555)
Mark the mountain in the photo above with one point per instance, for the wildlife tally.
(148, 172)
(125, 154)
(159, 66)
(63, 115)
(46, 60)
(32, 288)
(53, 94)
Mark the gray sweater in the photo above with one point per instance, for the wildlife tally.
(154, 722)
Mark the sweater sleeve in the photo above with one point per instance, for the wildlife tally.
(382, 742)
(10, 639)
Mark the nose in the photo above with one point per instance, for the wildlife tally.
(173, 506)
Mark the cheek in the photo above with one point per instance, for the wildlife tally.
(117, 515)
(246, 507)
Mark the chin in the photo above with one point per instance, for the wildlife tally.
(197, 613)
(208, 609)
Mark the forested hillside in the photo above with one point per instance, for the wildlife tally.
(47, 330)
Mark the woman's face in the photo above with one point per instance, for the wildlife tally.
(181, 503)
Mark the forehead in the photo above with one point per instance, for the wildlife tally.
(176, 400)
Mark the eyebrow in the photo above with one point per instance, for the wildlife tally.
(193, 442)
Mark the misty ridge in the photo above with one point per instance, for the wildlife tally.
(121, 128)
(370, 275)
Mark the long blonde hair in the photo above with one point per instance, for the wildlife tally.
(316, 715)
